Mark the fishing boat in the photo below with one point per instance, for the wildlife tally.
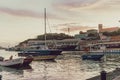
(42, 52)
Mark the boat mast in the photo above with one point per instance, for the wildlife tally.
(45, 24)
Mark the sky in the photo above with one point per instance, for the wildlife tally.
(24, 19)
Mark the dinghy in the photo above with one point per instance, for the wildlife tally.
(15, 63)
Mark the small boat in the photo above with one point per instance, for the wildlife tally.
(90, 56)
(15, 63)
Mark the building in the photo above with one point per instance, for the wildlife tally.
(101, 29)
(92, 31)
(115, 38)
(35, 42)
(81, 35)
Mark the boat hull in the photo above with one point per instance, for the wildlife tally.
(15, 63)
(42, 54)
(92, 57)
(45, 57)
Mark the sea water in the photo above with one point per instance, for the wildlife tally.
(64, 67)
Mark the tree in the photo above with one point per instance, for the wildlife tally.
(55, 36)
(114, 33)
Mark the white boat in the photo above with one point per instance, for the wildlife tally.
(15, 63)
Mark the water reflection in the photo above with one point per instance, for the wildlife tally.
(11, 71)
(15, 70)
(64, 67)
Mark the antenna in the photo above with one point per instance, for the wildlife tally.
(45, 24)
(68, 30)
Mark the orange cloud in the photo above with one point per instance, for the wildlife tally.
(76, 28)
(72, 27)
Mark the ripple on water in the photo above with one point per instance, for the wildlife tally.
(65, 67)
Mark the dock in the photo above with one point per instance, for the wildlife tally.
(114, 75)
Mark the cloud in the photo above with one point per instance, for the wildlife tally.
(73, 27)
(71, 4)
(86, 5)
(26, 13)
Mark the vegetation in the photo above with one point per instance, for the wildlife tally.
(114, 33)
(94, 36)
(55, 36)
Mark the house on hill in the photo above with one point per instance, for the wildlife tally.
(112, 29)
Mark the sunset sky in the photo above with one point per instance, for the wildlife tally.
(24, 19)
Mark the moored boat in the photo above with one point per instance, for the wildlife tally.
(15, 63)
(95, 57)
(41, 52)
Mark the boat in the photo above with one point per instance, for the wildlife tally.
(98, 50)
(96, 57)
(46, 54)
(41, 52)
(15, 63)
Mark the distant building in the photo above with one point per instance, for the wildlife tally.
(92, 31)
(115, 38)
(104, 38)
(81, 35)
(101, 29)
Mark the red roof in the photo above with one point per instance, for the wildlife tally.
(110, 29)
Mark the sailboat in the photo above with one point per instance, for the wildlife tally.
(43, 52)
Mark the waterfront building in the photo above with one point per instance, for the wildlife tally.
(92, 31)
(81, 35)
(101, 29)
(103, 37)
(91, 34)
(115, 38)
(35, 42)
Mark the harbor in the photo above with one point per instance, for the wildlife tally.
(64, 67)
(59, 40)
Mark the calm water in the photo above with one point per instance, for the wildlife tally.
(65, 67)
